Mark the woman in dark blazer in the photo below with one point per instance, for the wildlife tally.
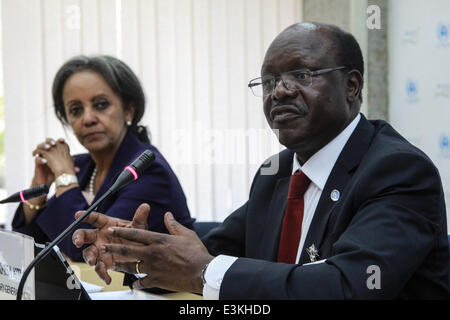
(102, 101)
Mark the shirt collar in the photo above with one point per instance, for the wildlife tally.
(319, 166)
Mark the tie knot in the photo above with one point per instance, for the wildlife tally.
(298, 185)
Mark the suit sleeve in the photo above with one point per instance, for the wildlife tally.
(54, 219)
(31, 229)
(395, 226)
(229, 237)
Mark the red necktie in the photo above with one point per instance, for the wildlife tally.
(292, 222)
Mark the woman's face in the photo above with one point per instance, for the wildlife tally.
(95, 112)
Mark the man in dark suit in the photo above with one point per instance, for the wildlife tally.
(354, 211)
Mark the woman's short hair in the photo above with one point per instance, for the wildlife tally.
(120, 78)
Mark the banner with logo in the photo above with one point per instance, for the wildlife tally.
(419, 79)
(16, 253)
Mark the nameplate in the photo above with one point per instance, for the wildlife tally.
(16, 253)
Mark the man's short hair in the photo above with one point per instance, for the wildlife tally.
(348, 50)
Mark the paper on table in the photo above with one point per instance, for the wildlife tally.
(125, 295)
(91, 288)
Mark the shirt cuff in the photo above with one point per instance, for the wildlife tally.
(214, 275)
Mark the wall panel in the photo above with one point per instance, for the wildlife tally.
(194, 58)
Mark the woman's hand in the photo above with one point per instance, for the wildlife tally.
(52, 159)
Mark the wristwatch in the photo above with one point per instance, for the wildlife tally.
(65, 180)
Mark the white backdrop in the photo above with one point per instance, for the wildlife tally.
(194, 58)
(419, 43)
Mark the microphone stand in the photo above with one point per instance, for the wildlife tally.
(50, 246)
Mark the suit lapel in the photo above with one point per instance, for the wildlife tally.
(85, 172)
(276, 207)
(126, 153)
(341, 174)
(276, 212)
(337, 180)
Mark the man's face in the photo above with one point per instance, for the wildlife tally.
(311, 116)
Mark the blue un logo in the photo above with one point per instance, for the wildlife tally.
(443, 35)
(444, 146)
(411, 91)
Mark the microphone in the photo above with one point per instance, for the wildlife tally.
(132, 172)
(129, 174)
(27, 194)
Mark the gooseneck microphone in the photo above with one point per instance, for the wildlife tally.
(129, 174)
(27, 194)
(132, 172)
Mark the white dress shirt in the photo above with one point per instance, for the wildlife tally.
(317, 169)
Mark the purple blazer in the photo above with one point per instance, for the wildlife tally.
(158, 186)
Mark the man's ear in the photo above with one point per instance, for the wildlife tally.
(354, 86)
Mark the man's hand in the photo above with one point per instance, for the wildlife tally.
(100, 236)
(171, 261)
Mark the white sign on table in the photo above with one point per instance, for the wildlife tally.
(16, 253)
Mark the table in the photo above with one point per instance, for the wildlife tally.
(87, 273)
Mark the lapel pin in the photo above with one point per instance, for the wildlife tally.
(313, 253)
(335, 194)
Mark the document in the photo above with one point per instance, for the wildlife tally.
(91, 288)
(125, 295)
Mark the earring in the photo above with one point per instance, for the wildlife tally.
(129, 123)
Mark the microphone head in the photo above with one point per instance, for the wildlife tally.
(27, 194)
(143, 162)
(133, 171)
(35, 192)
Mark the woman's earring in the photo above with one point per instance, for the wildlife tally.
(129, 123)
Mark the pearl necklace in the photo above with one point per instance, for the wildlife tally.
(91, 183)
